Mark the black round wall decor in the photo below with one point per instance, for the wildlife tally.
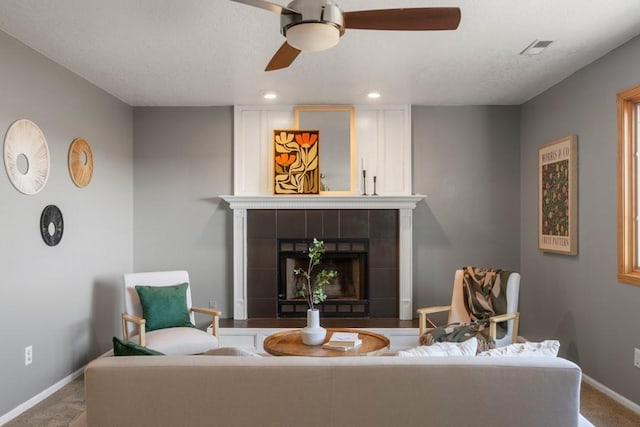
(51, 225)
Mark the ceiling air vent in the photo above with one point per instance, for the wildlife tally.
(536, 47)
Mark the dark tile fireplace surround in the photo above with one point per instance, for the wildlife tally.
(377, 227)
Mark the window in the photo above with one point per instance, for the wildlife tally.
(628, 186)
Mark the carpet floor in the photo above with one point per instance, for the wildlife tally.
(603, 411)
(62, 407)
(57, 410)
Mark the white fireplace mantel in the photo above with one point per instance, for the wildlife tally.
(322, 202)
(404, 204)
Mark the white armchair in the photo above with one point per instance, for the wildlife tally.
(458, 312)
(172, 340)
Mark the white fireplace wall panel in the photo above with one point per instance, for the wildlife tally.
(394, 152)
(383, 142)
(253, 154)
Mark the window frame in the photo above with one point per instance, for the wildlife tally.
(628, 145)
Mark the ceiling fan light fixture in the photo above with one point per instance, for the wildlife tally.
(313, 36)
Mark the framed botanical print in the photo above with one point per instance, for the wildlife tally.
(296, 168)
(558, 196)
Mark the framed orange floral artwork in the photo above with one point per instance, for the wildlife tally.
(558, 196)
(296, 161)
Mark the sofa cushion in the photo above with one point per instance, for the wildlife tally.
(164, 306)
(128, 348)
(465, 348)
(175, 341)
(548, 348)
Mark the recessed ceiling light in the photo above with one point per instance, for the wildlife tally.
(269, 95)
(374, 95)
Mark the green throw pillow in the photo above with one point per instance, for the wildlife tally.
(164, 306)
(128, 348)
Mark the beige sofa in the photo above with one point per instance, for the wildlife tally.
(227, 391)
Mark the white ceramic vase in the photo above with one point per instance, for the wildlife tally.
(313, 334)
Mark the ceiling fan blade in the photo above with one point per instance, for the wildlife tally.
(283, 57)
(266, 5)
(414, 19)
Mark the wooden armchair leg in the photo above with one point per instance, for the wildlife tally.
(423, 318)
(516, 325)
(422, 323)
(125, 332)
(215, 326)
(141, 327)
(215, 318)
(493, 321)
(143, 338)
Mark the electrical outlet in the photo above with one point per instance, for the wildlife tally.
(213, 304)
(636, 357)
(28, 355)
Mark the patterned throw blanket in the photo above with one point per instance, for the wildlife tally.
(484, 294)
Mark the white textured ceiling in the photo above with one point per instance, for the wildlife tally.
(213, 52)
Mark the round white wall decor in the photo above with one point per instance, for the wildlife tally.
(80, 162)
(26, 156)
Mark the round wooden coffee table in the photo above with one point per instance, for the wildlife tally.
(289, 343)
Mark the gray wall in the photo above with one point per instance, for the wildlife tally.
(183, 161)
(577, 299)
(62, 300)
(465, 159)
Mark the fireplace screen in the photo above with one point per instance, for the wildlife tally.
(346, 294)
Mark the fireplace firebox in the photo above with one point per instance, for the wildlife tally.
(347, 294)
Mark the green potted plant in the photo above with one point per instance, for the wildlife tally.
(311, 288)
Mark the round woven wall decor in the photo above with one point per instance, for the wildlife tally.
(51, 225)
(80, 162)
(26, 156)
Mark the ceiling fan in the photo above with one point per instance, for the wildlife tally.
(314, 25)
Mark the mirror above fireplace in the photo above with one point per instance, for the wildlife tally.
(336, 124)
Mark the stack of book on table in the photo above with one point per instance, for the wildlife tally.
(343, 341)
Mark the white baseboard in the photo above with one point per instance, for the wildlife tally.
(612, 394)
(43, 394)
